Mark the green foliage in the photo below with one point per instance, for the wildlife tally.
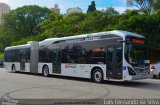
(29, 38)
(111, 11)
(51, 24)
(147, 25)
(91, 7)
(156, 6)
(143, 5)
(92, 22)
(59, 25)
(5, 38)
(106, 20)
(1, 55)
(21, 23)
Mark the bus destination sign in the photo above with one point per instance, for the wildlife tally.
(137, 41)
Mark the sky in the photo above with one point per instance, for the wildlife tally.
(119, 5)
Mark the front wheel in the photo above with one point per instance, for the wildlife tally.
(97, 76)
(45, 71)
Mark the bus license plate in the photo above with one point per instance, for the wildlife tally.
(144, 76)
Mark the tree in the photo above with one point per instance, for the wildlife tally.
(5, 37)
(60, 25)
(51, 24)
(94, 22)
(91, 7)
(156, 5)
(144, 5)
(111, 11)
(147, 25)
(22, 22)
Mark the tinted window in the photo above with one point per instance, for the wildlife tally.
(24, 55)
(11, 56)
(45, 55)
(82, 56)
(70, 55)
(97, 55)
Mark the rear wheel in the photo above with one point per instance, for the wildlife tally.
(45, 71)
(97, 76)
(13, 68)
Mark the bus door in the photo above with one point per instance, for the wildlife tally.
(56, 61)
(114, 62)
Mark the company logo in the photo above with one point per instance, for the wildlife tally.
(70, 66)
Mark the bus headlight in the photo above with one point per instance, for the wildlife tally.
(131, 71)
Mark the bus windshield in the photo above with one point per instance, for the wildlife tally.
(136, 54)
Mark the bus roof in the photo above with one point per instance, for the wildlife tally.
(125, 33)
(18, 46)
(120, 33)
(21, 46)
(50, 41)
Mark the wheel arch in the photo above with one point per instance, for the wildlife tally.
(44, 70)
(13, 66)
(94, 68)
(45, 65)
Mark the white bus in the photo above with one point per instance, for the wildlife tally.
(114, 55)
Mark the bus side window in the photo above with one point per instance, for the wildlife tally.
(97, 55)
(69, 56)
(82, 56)
(45, 55)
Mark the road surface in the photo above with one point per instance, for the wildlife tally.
(29, 86)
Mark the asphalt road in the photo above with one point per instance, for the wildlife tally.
(29, 86)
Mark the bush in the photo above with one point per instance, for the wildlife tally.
(30, 38)
(1, 55)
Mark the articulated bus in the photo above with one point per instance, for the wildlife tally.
(113, 55)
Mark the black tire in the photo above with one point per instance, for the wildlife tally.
(13, 68)
(159, 75)
(97, 76)
(45, 71)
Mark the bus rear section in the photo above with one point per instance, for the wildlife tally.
(22, 58)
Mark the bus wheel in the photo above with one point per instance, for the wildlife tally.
(45, 71)
(97, 76)
(13, 68)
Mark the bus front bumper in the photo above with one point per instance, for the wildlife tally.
(141, 76)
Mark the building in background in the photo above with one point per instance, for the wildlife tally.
(74, 10)
(56, 8)
(4, 8)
